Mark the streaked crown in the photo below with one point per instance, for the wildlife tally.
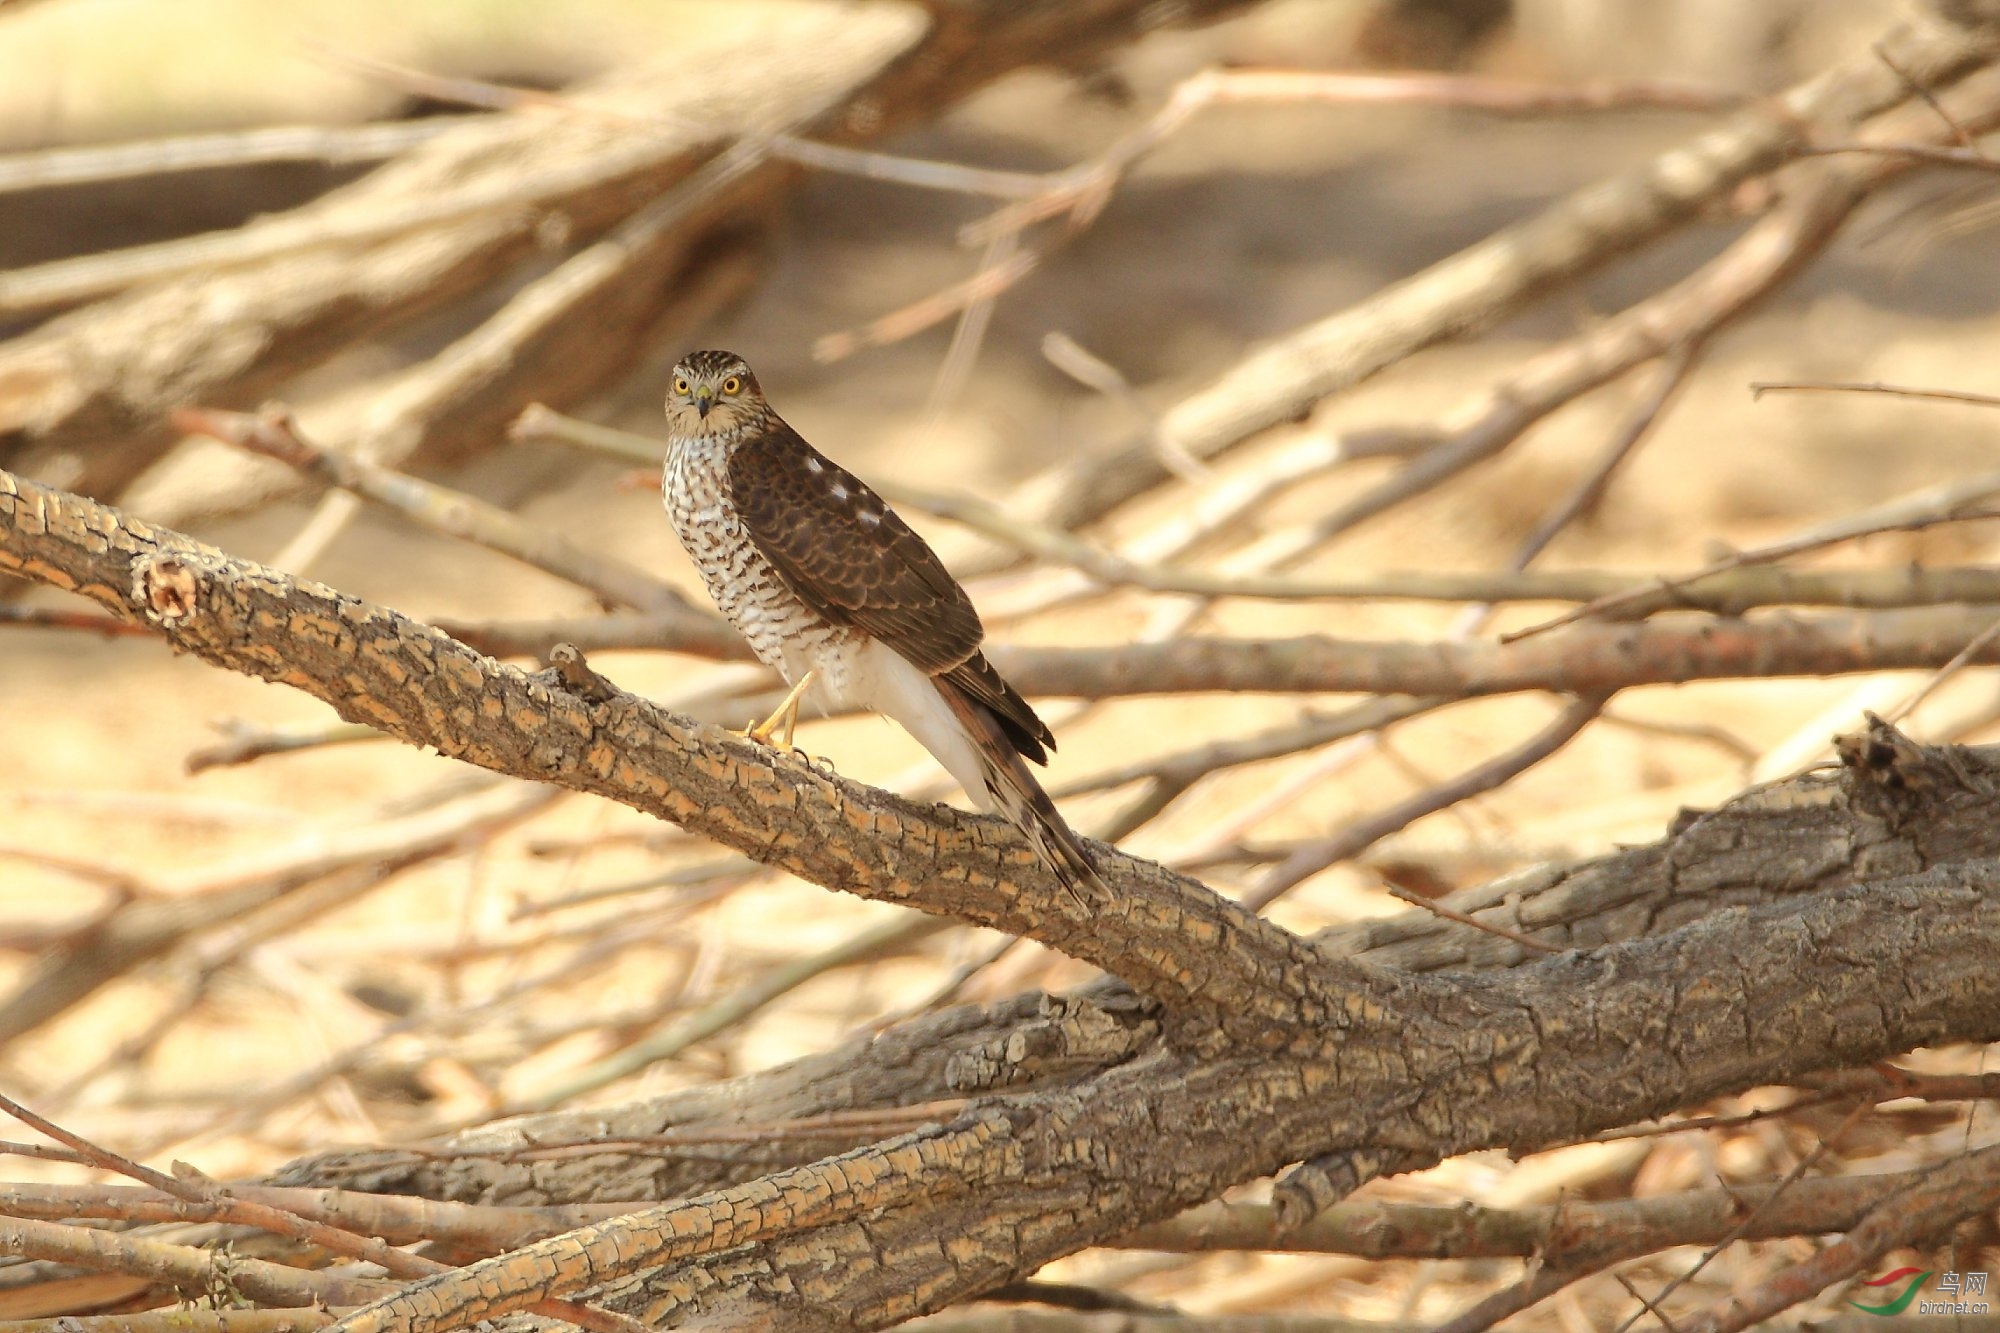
(713, 363)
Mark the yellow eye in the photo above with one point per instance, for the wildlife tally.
(680, 385)
(734, 384)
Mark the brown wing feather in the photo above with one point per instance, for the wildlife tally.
(806, 514)
(811, 519)
(1029, 734)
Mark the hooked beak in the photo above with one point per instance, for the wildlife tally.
(703, 400)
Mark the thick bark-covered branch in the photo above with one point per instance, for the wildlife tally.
(1894, 809)
(1169, 936)
(1292, 1053)
(1519, 1058)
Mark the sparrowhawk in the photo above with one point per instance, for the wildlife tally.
(843, 599)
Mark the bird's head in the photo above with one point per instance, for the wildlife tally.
(712, 393)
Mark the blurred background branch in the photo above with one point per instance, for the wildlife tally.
(1331, 405)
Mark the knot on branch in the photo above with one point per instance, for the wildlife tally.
(167, 588)
(1317, 1184)
(1882, 755)
(567, 670)
(1883, 769)
(1071, 1037)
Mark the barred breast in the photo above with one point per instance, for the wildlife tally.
(786, 634)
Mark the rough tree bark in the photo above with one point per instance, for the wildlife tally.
(1239, 1047)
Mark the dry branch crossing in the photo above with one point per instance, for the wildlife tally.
(1257, 1048)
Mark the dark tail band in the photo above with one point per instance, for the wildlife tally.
(1021, 799)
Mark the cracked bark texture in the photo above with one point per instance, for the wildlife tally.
(418, 684)
(1893, 810)
(1519, 1058)
(1812, 925)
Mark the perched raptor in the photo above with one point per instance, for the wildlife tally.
(842, 598)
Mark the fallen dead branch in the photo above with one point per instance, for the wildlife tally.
(1000, 1160)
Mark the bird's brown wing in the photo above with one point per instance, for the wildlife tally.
(845, 553)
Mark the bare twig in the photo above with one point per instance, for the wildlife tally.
(1094, 372)
(1572, 1233)
(274, 434)
(1661, 595)
(1758, 388)
(1927, 154)
(1313, 858)
(1436, 908)
(897, 935)
(1182, 768)
(45, 617)
(1585, 659)
(969, 335)
(1960, 660)
(1805, 1164)
(1589, 492)
(701, 876)
(182, 1319)
(245, 743)
(194, 1272)
(1920, 89)
(50, 168)
(984, 285)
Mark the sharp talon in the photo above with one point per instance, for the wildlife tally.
(786, 712)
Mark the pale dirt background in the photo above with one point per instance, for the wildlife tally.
(1252, 222)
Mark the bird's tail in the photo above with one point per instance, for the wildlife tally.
(1019, 797)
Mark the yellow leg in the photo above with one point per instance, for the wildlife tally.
(786, 712)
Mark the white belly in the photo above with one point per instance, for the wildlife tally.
(853, 671)
(874, 676)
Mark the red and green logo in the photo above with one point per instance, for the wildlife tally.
(1902, 1302)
